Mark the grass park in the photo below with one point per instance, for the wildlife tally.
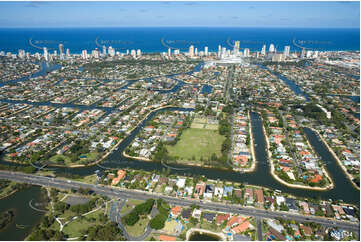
(197, 145)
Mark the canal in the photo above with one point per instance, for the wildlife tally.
(261, 176)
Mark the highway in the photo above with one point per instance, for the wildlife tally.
(141, 195)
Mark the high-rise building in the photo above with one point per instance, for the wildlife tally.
(61, 49)
(37, 55)
(219, 53)
(303, 53)
(224, 52)
(46, 55)
(309, 53)
(2, 53)
(84, 54)
(169, 52)
(133, 53)
(139, 53)
(206, 51)
(67, 53)
(55, 53)
(315, 55)
(271, 48)
(104, 50)
(127, 52)
(287, 50)
(95, 53)
(21, 54)
(236, 47)
(111, 51)
(176, 52)
(196, 52)
(191, 51)
(278, 57)
(246, 52)
(257, 54)
(263, 51)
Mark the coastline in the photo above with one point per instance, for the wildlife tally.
(282, 181)
(337, 159)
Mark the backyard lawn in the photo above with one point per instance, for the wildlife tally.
(197, 143)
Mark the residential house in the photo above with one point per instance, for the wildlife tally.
(221, 218)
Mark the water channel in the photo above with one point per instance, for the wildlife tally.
(261, 176)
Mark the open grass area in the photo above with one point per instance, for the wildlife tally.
(76, 227)
(91, 179)
(83, 158)
(129, 205)
(210, 226)
(139, 228)
(195, 144)
(56, 158)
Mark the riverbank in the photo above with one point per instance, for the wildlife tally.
(330, 186)
(8, 194)
(337, 159)
(254, 162)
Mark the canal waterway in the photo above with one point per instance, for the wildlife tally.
(261, 176)
(294, 87)
(25, 217)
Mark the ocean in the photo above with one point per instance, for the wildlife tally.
(158, 39)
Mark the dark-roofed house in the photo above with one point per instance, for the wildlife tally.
(291, 204)
(209, 216)
(186, 213)
(349, 211)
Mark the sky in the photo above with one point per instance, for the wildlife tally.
(164, 14)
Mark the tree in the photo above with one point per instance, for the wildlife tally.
(158, 221)
(131, 218)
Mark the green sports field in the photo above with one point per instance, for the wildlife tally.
(196, 143)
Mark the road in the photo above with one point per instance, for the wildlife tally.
(134, 194)
(259, 229)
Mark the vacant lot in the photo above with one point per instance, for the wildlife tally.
(197, 144)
